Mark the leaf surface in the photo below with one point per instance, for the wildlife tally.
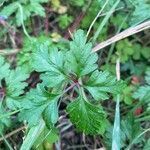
(102, 83)
(88, 118)
(80, 58)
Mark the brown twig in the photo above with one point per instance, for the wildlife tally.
(128, 32)
(12, 133)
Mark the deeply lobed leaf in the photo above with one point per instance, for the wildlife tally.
(80, 58)
(52, 63)
(88, 118)
(40, 103)
(102, 83)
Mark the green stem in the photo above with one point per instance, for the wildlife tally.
(113, 45)
(22, 21)
(104, 21)
(100, 11)
(81, 89)
(116, 129)
(9, 114)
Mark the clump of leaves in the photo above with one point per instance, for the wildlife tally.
(127, 50)
(30, 45)
(23, 10)
(61, 71)
(64, 21)
(11, 90)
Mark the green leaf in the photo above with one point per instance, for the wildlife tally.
(38, 9)
(47, 136)
(29, 8)
(130, 129)
(52, 63)
(32, 135)
(15, 84)
(88, 118)
(116, 136)
(124, 50)
(4, 121)
(29, 46)
(26, 14)
(80, 58)
(39, 103)
(143, 93)
(127, 95)
(141, 12)
(9, 9)
(146, 52)
(64, 21)
(102, 83)
(50, 114)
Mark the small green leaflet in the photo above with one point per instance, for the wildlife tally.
(130, 128)
(141, 12)
(15, 84)
(29, 46)
(88, 118)
(102, 83)
(50, 61)
(80, 58)
(64, 21)
(143, 93)
(9, 9)
(39, 103)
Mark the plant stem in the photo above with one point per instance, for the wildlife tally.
(82, 89)
(106, 18)
(22, 21)
(10, 113)
(116, 129)
(70, 87)
(113, 45)
(96, 18)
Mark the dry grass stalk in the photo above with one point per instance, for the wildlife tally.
(128, 32)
